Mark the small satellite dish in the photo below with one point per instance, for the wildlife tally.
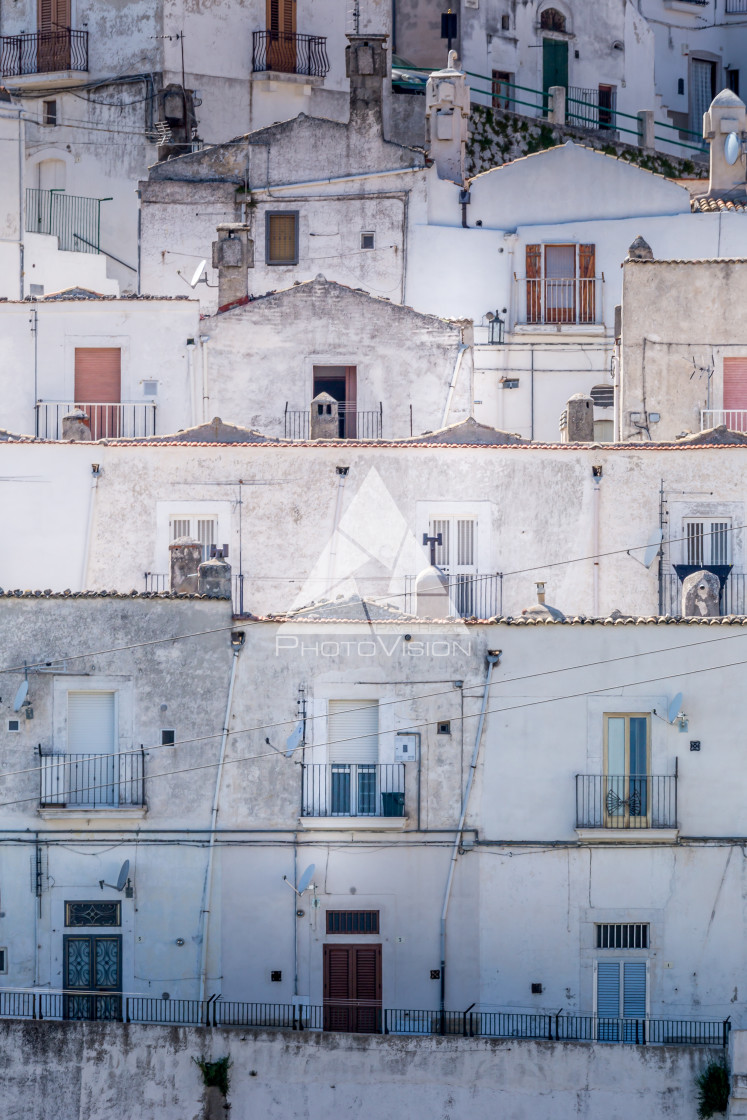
(651, 550)
(303, 882)
(124, 871)
(23, 691)
(732, 148)
(294, 740)
(674, 708)
(198, 274)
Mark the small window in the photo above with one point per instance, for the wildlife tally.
(681, 87)
(707, 541)
(353, 921)
(14, 725)
(505, 23)
(150, 388)
(368, 241)
(444, 728)
(168, 737)
(281, 237)
(622, 935)
(49, 112)
(93, 914)
(510, 382)
(501, 88)
(3, 961)
(732, 81)
(552, 20)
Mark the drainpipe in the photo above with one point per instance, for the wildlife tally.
(238, 644)
(342, 473)
(95, 475)
(204, 339)
(596, 480)
(493, 657)
(454, 378)
(21, 199)
(192, 381)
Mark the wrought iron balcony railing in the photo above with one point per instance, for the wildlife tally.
(561, 300)
(92, 780)
(44, 52)
(733, 599)
(626, 801)
(353, 789)
(470, 596)
(126, 420)
(353, 424)
(73, 219)
(159, 581)
(286, 52)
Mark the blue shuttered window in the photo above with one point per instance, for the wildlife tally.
(616, 979)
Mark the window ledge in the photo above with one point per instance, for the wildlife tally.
(357, 824)
(683, 6)
(56, 80)
(64, 813)
(283, 79)
(627, 835)
(559, 328)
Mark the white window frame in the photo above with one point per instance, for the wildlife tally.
(682, 512)
(122, 687)
(479, 512)
(708, 523)
(168, 511)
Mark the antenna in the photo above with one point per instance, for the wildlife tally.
(652, 548)
(122, 878)
(198, 275)
(304, 882)
(674, 708)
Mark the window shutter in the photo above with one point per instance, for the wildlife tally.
(465, 543)
(353, 731)
(735, 384)
(98, 375)
(534, 262)
(61, 14)
(90, 722)
(608, 989)
(634, 989)
(273, 15)
(586, 285)
(281, 239)
(180, 527)
(289, 16)
(367, 973)
(337, 978)
(586, 261)
(534, 283)
(443, 550)
(44, 15)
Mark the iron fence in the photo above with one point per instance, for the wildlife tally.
(125, 420)
(591, 108)
(73, 219)
(470, 596)
(92, 780)
(349, 789)
(159, 581)
(560, 300)
(732, 599)
(286, 52)
(736, 7)
(626, 801)
(352, 424)
(734, 418)
(44, 52)
(368, 1017)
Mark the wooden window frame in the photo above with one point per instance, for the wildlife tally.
(626, 776)
(269, 214)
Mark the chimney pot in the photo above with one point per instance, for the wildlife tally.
(185, 554)
(366, 67)
(214, 578)
(233, 256)
(76, 426)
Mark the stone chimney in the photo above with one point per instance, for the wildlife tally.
(76, 426)
(725, 129)
(233, 255)
(432, 594)
(640, 250)
(184, 560)
(214, 578)
(366, 67)
(541, 609)
(447, 118)
(577, 420)
(324, 417)
(700, 595)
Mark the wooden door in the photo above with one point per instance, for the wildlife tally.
(53, 43)
(735, 394)
(98, 377)
(281, 36)
(352, 988)
(554, 67)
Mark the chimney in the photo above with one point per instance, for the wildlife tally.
(432, 594)
(76, 426)
(184, 560)
(701, 595)
(366, 66)
(233, 255)
(725, 129)
(447, 118)
(640, 250)
(540, 592)
(214, 576)
(324, 417)
(577, 420)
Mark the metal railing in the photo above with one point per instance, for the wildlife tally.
(44, 52)
(733, 599)
(285, 52)
(92, 780)
(471, 596)
(73, 219)
(734, 418)
(736, 7)
(367, 1017)
(352, 423)
(560, 300)
(353, 789)
(126, 420)
(159, 581)
(626, 801)
(585, 110)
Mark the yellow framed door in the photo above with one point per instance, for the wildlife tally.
(627, 768)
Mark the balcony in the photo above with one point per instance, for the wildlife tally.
(629, 802)
(734, 418)
(340, 790)
(353, 424)
(471, 596)
(125, 420)
(58, 52)
(736, 7)
(92, 781)
(591, 108)
(73, 219)
(159, 581)
(733, 599)
(285, 52)
(558, 302)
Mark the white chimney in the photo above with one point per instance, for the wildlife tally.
(725, 129)
(447, 120)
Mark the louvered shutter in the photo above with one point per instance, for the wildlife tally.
(61, 13)
(98, 374)
(281, 239)
(534, 283)
(289, 16)
(735, 389)
(586, 283)
(443, 550)
(353, 731)
(44, 15)
(337, 987)
(90, 722)
(608, 989)
(634, 989)
(367, 979)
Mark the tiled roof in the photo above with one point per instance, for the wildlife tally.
(693, 260)
(577, 620)
(67, 594)
(351, 608)
(714, 205)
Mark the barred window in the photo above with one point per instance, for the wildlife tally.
(352, 921)
(93, 914)
(622, 935)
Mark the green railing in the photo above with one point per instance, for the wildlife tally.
(614, 120)
(73, 219)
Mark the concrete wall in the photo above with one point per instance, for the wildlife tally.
(148, 1072)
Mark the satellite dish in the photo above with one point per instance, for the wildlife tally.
(303, 882)
(23, 691)
(198, 274)
(732, 148)
(124, 871)
(674, 708)
(294, 740)
(651, 550)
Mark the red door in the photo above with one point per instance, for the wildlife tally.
(352, 988)
(735, 393)
(98, 384)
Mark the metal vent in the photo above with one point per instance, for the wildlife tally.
(622, 935)
(603, 396)
(352, 921)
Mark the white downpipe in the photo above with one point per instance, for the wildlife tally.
(493, 659)
(333, 542)
(191, 381)
(208, 884)
(454, 378)
(595, 547)
(204, 339)
(95, 474)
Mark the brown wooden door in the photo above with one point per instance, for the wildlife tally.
(98, 383)
(352, 988)
(281, 38)
(53, 43)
